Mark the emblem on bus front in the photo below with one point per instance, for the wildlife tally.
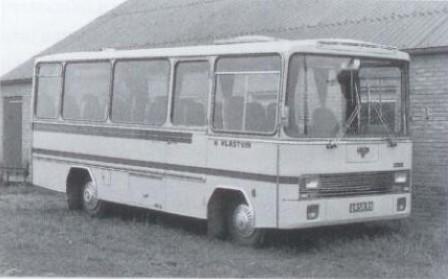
(363, 151)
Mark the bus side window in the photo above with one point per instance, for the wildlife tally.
(156, 111)
(49, 83)
(86, 91)
(140, 91)
(217, 116)
(233, 113)
(246, 94)
(271, 112)
(91, 108)
(255, 117)
(74, 109)
(191, 93)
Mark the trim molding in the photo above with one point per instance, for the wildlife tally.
(16, 81)
(114, 132)
(169, 167)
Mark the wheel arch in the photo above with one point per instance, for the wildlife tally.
(75, 173)
(225, 192)
(217, 209)
(220, 210)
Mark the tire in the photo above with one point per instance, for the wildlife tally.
(90, 202)
(216, 220)
(74, 198)
(241, 225)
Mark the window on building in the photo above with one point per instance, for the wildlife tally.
(49, 83)
(140, 91)
(192, 86)
(246, 94)
(86, 91)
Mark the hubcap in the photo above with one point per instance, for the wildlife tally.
(243, 220)
(89, 196)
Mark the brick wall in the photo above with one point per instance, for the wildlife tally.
(430, 205)
(429, 131)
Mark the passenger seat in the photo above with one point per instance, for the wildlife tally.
(157, 111)
(195, 114)
(256, 118)
(92, 108)
(233, 113)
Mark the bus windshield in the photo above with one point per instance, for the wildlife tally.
(334, 96)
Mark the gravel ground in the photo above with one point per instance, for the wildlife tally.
(40, 237)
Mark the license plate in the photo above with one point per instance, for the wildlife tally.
(361, 207)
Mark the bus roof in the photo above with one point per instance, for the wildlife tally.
(235, 47)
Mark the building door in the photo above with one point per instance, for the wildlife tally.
(12, 139)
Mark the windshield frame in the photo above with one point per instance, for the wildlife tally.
(401, 64)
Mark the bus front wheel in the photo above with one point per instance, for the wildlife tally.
(90, 202)
(241, 225)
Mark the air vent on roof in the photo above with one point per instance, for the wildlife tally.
(246, 39)
(352, 43)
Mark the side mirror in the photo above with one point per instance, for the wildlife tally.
(285, 116)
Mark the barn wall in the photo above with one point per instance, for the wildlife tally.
(23, 90)
(429, 130)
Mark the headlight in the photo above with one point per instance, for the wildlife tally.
(312, 182)
(401, 177)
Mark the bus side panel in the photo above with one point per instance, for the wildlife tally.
(50, 174)
(113, 185)
(147, 191)
(98, 152)
(186, 183)
(185, 196)
(249, 166)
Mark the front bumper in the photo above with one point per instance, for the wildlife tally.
(333, 211)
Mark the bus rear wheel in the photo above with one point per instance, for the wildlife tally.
(241, 225)
(90, 202)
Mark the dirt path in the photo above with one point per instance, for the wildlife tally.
(40, 237)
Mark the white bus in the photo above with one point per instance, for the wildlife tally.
(248, 136)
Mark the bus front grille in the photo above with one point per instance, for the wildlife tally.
(351, 184)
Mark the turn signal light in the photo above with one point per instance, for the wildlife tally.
(312, 211)
(401, 204)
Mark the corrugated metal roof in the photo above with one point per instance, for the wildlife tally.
(158, 23)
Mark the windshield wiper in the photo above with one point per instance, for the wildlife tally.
(390, 137)
(356, 112)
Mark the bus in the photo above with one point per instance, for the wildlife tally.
(249, 136)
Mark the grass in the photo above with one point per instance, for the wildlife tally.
(40, 237)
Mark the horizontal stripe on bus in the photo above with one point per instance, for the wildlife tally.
(170, 167)
(115, 132)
